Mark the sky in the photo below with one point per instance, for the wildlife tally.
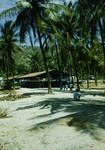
(4, 4)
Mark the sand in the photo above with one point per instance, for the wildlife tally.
(34, 124)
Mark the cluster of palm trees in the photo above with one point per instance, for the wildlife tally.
(71, 36)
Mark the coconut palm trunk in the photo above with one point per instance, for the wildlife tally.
(45, 61)
(59, 66)
(7, 78)
(95, 75)
(87, 76)
(103, 46)
(75, 69)
(30, 37)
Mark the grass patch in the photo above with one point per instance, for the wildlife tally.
(3, 110)
(11, 96)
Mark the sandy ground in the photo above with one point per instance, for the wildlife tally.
(41, 122)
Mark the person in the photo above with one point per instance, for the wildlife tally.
(70, 83)
(77, 95)
(64, 85)
(71, 86)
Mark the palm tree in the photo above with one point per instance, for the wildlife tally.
(36, 62)
(33, 16)
(91, 17)
(29, 15)
(63, 23)
(8, 39)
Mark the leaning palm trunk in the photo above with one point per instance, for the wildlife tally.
(7, 86)
(30, 38)
(70, 71)
(75, 69)
(88, 81)
(7, 76)
(13, 81)
(87, 75)
(45, 62)
(95, 75)
(103, 46)
(59, 66)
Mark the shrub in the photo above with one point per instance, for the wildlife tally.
(3, 110)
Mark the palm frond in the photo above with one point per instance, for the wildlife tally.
(9, 12)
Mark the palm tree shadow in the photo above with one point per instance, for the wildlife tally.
(34, 93)
(86, 117)
(89, 121)
(93, 93)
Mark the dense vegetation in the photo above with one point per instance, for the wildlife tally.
(71, 38)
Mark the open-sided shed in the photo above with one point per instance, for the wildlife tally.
(39, 79)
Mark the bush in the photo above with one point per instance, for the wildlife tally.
(3, 110)
(7, 85)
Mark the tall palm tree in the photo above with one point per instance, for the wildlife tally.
(33, 16)
(8, 46)
(91, 17)
(63, 22)
(29, 15)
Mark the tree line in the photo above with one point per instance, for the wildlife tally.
(70, 36)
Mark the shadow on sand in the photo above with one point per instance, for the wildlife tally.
(86, 117)
(34, 93)
(93, 92)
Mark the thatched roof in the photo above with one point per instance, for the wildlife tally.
(32, 75)
(29, 75)
(16, 76)
(41, 74)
